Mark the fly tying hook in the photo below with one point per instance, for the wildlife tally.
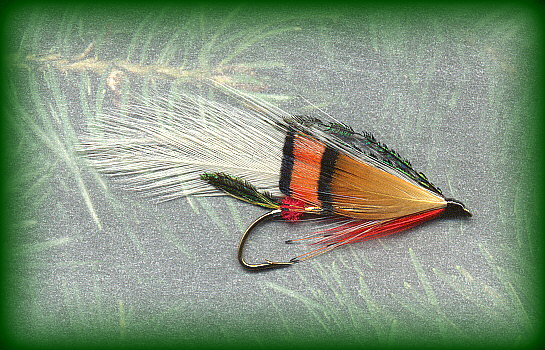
(267, 264)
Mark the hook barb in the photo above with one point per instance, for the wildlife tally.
(267, 264)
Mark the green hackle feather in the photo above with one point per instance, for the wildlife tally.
(240, 189)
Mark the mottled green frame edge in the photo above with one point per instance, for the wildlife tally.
(534, 133)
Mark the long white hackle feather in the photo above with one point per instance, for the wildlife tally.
(163, 145)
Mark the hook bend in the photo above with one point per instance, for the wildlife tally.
(267, 264)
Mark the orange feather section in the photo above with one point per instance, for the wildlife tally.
(307, 153)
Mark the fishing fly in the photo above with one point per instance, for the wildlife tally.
(296, 166)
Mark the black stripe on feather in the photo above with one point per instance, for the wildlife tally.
(287, 164)
(327, 168)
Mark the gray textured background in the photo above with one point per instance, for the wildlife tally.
(449, 89)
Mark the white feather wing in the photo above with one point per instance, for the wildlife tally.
(163, 146)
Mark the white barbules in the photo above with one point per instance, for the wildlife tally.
(163, 145)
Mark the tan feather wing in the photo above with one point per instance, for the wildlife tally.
(362, 191)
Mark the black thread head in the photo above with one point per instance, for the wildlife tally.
(456, 208)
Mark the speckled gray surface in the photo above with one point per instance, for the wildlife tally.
(448, 89)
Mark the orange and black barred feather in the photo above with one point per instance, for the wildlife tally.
(323, 176)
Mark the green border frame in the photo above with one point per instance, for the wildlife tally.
(535, 143)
